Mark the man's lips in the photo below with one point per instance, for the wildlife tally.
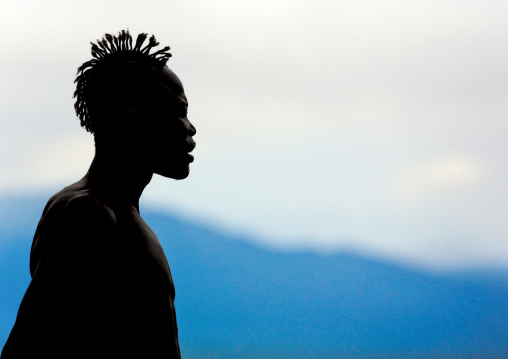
(191, 146)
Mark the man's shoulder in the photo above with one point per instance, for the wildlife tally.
(75, 202)
(74, 223)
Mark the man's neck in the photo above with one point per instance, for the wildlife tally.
(119, 178)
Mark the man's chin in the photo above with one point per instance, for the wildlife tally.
(177, 174)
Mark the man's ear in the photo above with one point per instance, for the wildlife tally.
(128, 123)
(130, 120)
(130, 115)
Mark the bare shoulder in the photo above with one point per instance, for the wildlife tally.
(77, 204)
(74, 223)
(75, 212)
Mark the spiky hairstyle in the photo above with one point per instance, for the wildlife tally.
(109, 53)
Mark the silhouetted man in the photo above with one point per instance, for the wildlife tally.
(101, 285)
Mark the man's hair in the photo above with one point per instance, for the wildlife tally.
(100, 80)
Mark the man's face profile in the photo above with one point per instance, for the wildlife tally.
(168, 139)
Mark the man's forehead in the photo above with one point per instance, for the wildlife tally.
(168, 79)
(170, 84)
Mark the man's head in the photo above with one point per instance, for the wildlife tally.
(127, 97)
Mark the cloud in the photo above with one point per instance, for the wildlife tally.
(448, 175)
(49, 165)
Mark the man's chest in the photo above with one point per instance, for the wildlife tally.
(143, 258)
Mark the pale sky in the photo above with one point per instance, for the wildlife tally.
(376, 126)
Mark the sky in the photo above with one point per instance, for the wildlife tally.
(373, 126)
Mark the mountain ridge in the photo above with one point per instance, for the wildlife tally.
(237, 299)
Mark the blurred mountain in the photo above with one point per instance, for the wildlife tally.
(238, 300)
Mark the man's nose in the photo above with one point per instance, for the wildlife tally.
(191, 129)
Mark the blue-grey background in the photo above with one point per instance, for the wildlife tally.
(330, 130)
(238, 300)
